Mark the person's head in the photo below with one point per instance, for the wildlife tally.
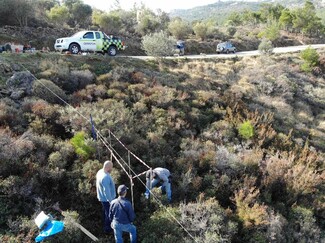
(122, 190)
(108, 166)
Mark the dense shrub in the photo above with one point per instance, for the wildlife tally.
(207, 221)
(82, 146)
(311, 58)
(265, 47)
(246, 130)
(48, 91)
(179, 28)
(159, 44)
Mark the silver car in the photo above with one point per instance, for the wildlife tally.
(226, 47)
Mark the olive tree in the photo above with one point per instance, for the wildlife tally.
(158, 44)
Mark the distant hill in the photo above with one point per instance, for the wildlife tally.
(220, 10)
(217, 11)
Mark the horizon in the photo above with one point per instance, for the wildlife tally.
(166, 6)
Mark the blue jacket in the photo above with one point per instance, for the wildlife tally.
(105, 187)
(122, 215)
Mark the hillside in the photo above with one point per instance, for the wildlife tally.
(244, 139)
(220, 10)
(217, 11)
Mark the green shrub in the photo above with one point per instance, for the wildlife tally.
(201, 30)
(265, 47)
(82, 148)
(311, 58)
(246, 130)
(179, 28)
(159, 44)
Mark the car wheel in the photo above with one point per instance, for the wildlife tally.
(227, 51)
(74, 48)
(112, 51)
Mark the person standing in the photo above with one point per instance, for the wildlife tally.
(106, 192)
(122, 216)
(159, 175)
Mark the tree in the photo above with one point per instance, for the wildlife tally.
(251, 17)
(306, 21)
(147, 22)
(271, 12)
(20, 10)
(234, 19)
(200, 30)
(110, 23)
(158, 44)
(286, 19)
(179, 28)
(81, 14)
(59, 15)
(272, 32)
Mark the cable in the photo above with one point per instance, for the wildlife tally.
(102, 138)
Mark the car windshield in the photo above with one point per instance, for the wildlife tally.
(78, 34)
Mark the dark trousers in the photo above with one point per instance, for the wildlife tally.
(107, 221)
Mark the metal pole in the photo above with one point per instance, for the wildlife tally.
(150, 183)
(110, 143)
(131, 180)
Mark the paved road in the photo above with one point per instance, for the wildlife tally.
(238, 54)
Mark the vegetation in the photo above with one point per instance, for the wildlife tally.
(243, 137)
(159, 44)
(247, 147)
(266, 46)
(311, 59)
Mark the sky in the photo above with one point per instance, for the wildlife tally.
(165, 5)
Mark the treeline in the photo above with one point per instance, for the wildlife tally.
(141, 21)
(303, 20)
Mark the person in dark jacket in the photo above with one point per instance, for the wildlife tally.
(122, 215)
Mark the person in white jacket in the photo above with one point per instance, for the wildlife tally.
(106, 192)
(159, 175)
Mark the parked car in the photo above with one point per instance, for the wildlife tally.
(93, 41)
(226, 47)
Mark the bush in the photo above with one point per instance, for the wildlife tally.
(158, 44)
(265, 47)
(311, 58)
(246, 130)
(179, 28)
(201, 30)
(208, 221)
(161, 228)
(82, 147)
(47, 90)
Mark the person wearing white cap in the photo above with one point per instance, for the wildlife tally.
(122, 216)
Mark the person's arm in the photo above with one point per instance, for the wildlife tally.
(112, 188)
(107, 189)
(131, 212)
